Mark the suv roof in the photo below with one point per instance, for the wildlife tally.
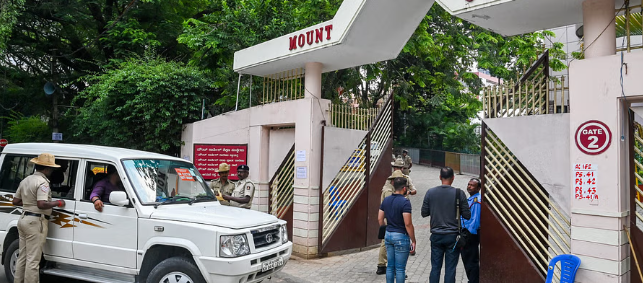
(83, 151)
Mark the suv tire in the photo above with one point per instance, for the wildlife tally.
(13, 248)
(175, 270)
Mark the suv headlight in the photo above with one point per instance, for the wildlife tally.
(233, 246)
(284, 234)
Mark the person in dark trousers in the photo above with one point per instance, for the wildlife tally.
(400, 233)
(439, 203)
(471, 251)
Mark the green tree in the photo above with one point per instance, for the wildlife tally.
(229, 26)
(23, 129)
(80, 37)
(141, 104)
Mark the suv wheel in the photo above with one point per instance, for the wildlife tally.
(175, 270)
(10, 260)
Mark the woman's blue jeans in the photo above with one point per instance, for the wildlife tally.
(398, 247)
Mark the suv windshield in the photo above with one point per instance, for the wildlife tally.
(164, 181)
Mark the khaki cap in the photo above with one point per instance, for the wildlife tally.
(396, 174)
(45, 159)
(223, 167)
(398, 163)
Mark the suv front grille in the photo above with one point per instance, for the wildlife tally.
(266, 238)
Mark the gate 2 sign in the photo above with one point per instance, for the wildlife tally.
(593, 137)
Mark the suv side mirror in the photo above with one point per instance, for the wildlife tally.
(118, 198)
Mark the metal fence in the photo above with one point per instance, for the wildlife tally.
(461, 163)
(344, 116)
(281, 186)
(345, 188)
(524, 206)
(283, 86)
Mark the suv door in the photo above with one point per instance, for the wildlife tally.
(108, 237)
(61, 224)
(14, 169)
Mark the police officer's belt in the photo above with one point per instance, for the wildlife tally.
(36, 215)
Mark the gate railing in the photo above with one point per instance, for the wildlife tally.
(345, 116)
(523, 205)
(283, 86)
(282, 188)
(534, 93)
(638, 173)
(344, 190)
(628, 25)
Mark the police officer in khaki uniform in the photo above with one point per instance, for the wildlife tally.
(244, 191)
(398, 165)
(387, 191)
(222, 186)
(408, 162)
(34, 195)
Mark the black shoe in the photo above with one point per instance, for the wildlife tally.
(413, 254)
(381, 270)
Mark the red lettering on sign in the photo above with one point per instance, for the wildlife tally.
(302, 40)
(328, 29)
(309, 37)
(293, 43)
(319, 35)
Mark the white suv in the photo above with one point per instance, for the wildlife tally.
(164, 226)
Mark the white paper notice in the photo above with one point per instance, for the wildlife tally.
(585, 183)
(301, 156)
(302, 172)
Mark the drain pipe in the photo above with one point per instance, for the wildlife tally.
(236, 107)
(250, 98)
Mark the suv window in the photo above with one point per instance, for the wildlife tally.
(17, 167)
(63, 179)
(96, 171)
(14, 169)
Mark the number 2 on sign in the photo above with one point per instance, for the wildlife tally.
(594, 144)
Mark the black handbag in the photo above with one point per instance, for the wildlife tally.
(382, 232)
(463, 233)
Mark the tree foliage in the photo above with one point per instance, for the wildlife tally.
(92, 50)
(27, 129)
(141, 104)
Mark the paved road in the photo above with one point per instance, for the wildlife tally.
(359, 267)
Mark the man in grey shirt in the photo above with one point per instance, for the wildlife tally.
(439, 203)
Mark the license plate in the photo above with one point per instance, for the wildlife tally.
(268, 265)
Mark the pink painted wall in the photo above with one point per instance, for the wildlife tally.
(597, 234)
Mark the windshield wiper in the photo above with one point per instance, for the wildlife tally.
(202, 198)
(175, 199)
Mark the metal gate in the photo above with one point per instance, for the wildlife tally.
(282, 190)
(519, 210)
(636, 195)
(345, 212)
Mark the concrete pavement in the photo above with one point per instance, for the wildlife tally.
(360, 266)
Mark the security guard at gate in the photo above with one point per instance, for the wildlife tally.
(408, 162)
(34, 195)
(222, 186)
(398, 165)
(244, 191)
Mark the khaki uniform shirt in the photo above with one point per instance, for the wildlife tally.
(225, 189)
(407, 161)
(33, 188)
(388, 188)
(244, 188)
